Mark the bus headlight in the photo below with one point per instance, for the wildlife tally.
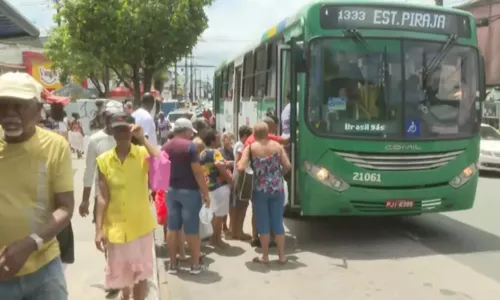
(464, 176)
(325, 177)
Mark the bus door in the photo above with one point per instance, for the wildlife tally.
(283, 80)
(286, 79)
(236, 100)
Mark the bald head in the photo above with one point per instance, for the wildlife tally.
(271, 124)
(260, 130)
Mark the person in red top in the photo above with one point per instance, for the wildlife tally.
(272, 123)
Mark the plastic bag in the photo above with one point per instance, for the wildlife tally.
(206, 230)
(159, 172)
(161, 207)
(206, 215)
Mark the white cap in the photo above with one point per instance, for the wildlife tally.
(183, 124)
(21, 86)
(113, 107)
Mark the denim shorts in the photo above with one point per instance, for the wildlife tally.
(268, 212)
(183, 210)
(47, 283)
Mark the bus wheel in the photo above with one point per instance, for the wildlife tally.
(289, 213)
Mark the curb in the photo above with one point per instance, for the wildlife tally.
(154, 292)
(153, 284)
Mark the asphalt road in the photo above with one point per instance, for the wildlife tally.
(451, 256)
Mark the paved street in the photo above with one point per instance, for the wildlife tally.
(450, 257)
(85, 277)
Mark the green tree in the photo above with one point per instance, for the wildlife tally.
(71, 61)
(144, 35)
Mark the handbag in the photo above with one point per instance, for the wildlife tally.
(243, 189)
(159, 172)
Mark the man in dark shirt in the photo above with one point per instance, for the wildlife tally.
(188, 189)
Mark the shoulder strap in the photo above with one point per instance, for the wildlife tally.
(250, 160)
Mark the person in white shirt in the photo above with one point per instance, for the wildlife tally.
(99, 143)
(164, 128)
(144, 118)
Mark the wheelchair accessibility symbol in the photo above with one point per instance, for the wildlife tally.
(412, 127)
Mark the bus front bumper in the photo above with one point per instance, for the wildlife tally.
(366, 201)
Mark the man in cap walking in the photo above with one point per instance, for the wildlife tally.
(36, 195)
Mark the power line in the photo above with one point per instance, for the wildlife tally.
(216, 40)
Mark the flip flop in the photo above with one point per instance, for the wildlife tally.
(283, 262)
(259, 260)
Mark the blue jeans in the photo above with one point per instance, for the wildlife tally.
(184, 210)
(48, 283)
(268, 212)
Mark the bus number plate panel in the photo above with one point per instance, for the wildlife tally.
(366, 177)
(399, 204)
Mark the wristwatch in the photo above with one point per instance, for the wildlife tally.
(38, 240)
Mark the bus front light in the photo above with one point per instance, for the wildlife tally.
(325, 177)
(464, 176)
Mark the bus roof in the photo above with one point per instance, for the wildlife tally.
(288, 22)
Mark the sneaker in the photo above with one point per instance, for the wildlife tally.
(173, 269)
(197, 269)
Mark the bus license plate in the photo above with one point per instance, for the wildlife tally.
(399, 203)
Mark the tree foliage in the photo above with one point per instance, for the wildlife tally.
(71, 61)
(144, 35)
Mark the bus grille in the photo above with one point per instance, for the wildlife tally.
(399, 161)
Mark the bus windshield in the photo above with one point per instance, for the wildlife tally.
(386, 88)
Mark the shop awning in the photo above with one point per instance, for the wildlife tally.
(14, 24)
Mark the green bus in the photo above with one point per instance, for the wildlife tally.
(385, 105)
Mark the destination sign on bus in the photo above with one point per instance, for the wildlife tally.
(393, 18)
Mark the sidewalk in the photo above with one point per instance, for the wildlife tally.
(85, 277)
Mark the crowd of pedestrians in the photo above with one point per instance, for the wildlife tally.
(207, 169)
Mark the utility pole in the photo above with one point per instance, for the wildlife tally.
(439, 2)
(191, 79)
(58, 9)
(185, 77)
(175, 79)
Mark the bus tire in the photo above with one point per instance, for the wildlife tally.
(289, 213)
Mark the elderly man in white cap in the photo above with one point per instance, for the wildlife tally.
(36, 195)
(99, 143)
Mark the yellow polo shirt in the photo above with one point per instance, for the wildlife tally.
(31, 173)
(129, 214)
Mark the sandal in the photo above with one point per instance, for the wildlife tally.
(259, 260)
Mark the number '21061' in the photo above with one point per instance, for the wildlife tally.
(370, 177)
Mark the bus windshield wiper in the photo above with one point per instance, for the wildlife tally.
(436, 60)
(384, 82)
(354, 33)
